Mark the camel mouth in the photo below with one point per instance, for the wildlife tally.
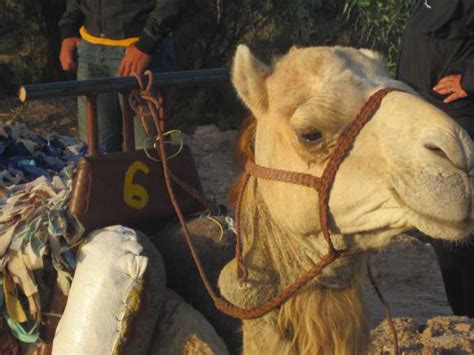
(458, 229)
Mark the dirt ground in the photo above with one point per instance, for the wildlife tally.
(45, 116)
(407, 271)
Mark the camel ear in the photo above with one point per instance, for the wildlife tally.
(248, 77)
(373, 55)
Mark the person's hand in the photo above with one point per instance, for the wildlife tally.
(134, 61)
(450, 85)
(66, 57)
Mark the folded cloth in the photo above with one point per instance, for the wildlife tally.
(35, 226)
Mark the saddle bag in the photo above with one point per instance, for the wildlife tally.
(129, 188)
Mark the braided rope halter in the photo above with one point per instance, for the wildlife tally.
(322, 185)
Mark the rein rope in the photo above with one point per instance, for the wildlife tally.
(155, 106)
(321, 184)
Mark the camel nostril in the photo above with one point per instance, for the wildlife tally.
(447, 146)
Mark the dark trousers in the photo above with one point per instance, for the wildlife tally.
(457, 267)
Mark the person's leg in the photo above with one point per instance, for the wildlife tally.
(164, 60)
(451, 274)
(108, 105)
(464, 256)
(86, 69)
(468, 288)
(453, 285)
(96, 61)
(467, 278)
(457, 265)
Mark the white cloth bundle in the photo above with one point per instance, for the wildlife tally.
(109, 286)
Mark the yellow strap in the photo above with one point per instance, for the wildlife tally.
(106, 41)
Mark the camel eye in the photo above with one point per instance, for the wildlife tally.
(311, 137)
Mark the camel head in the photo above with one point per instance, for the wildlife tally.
(410, 166)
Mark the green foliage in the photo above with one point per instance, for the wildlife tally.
(378, 25)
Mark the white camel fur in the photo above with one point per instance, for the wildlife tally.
(409, 168)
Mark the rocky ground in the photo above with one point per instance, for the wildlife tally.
(407, 271)
(439, 335)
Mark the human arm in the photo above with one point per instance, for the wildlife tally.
(165, 17)
(134, 61)
(69, 25)
(453, 87)
(66, 56)
(71, 21)
(460, 83)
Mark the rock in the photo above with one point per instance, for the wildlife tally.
(182, 330)
(206, 131)
(449, 333)
(215, 250)
(409, 277)
(212, 151)
(453, 335)
(408, 336)
(207, 138)
(463, 328)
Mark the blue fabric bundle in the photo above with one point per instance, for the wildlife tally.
(25, 155)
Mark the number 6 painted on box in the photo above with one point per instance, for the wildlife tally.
(135, 195)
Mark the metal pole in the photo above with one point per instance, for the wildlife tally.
(120, 84)
(92, 126)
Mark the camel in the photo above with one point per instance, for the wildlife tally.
(409, 168)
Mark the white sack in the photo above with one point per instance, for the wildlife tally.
(110, 271)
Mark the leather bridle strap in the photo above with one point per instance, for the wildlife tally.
(321, 184)
(282, 175)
